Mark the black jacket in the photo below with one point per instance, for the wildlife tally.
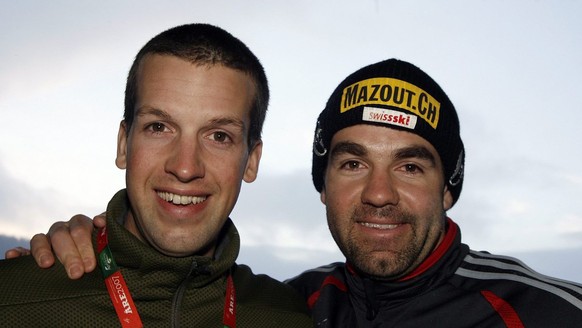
(454, 287)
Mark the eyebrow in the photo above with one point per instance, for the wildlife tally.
(415, 151)
(143, 111)
(356, 149)
(221, 121)
(347, 147)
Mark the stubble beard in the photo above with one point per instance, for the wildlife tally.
(370, 258)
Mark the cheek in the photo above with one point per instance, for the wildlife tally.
(228, 169)
(141, 159)
(348, 188)
(427, 207)
(424, 194)
(339, 197)
(141, 152)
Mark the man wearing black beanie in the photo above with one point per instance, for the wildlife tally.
(388, 161)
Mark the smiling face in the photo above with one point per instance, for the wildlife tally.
(385, 198)
(186, 152)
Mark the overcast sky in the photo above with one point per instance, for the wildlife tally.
(513, 69)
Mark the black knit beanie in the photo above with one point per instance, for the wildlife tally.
(397, 95)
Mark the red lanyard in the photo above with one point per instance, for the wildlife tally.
(229, 316)
(116, 286)
(121, 297)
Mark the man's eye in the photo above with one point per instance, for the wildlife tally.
(157, 127)
(220, 136)
(351, 165)
(411, 168)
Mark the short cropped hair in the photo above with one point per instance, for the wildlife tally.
(205, 44)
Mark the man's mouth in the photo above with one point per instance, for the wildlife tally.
(379, 226)
(180, 199)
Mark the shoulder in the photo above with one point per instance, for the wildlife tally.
(483, 266)
(262, 290)
(317, 275)
(499, 277)
(23, 271)
(22, 279)
(311, 281)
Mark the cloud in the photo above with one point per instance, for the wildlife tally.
(555, 263)
(26, 210)
(283, 211)
(283, 226)
(519, 204)
(18, 204)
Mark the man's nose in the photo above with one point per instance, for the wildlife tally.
(186, 160)
(380, 189)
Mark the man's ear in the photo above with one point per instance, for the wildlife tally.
(252, 167)
(447, 198)
(322, 195)
(121, 159)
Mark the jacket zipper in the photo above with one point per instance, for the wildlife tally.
(179, 295)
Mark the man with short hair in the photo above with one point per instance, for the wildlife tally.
(195, 103)
(388, 161)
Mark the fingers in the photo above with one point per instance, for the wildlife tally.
(81, 228)
(72, 244)
(16, 252)
(99, 220)
(40, 247)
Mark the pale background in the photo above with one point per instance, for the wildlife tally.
(512, 68)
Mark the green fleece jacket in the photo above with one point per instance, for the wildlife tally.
(167, 291)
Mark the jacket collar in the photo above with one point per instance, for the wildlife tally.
(368, 295)
(131, 253)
